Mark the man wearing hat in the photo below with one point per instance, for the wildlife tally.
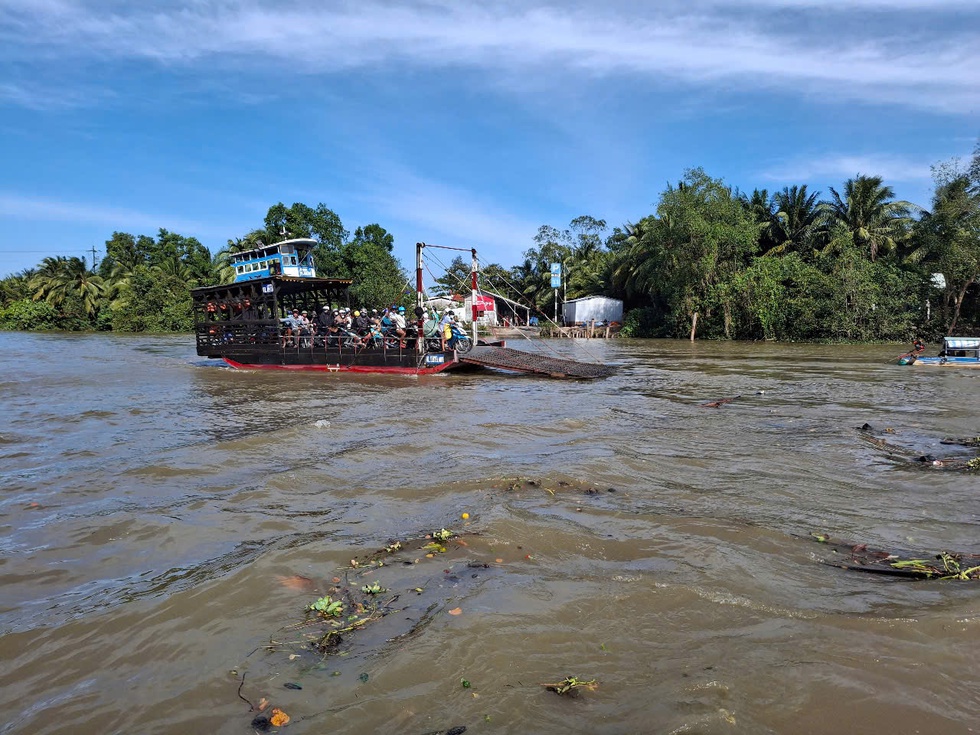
(305, 326)
(324, 319)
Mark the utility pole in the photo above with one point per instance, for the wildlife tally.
(564, 282)
(94, 262)
(556, 273)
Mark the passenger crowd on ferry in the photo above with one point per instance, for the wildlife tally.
(360, 327)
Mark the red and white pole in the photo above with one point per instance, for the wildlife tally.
(473, 291)
(418, 294)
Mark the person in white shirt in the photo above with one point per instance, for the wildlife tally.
(397, 319)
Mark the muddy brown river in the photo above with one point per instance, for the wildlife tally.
(165, 524)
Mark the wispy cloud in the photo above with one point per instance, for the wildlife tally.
(893, 60)
(841, 167)
(45, 98)
(442, 211)
(48, 209)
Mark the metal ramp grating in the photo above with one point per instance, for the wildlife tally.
(506, 358)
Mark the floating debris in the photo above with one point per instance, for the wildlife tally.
(898, 453)
(971, 442)
(943, 565)
(720, 402)
(571, 685)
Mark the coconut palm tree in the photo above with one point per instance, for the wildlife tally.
(636, 267)
(796, 220)
(254, 239)
(16, 287)
(175, 268)
(869, 212)
(59, 278)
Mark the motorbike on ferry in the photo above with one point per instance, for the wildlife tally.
(459, 340)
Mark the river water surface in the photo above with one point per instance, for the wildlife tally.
(166, 521)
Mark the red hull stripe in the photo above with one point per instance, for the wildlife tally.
(344, 368)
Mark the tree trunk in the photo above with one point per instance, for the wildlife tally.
(694, 325)
(958, 303)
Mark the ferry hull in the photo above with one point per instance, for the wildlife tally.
(432, 369)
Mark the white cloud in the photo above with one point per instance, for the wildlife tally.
(46, 98)
(441, 214)
(921, 60)
(841, 167)
(47, 209)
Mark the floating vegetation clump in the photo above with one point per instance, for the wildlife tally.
(942, 566)
(572, 686)
(357, 599)
(552, 487)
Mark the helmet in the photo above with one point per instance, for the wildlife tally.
(401, 309)
(357, 313)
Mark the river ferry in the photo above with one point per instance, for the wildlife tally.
(248, 324)
(956, 352)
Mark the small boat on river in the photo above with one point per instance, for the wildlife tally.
(247, 324)
(956, 352)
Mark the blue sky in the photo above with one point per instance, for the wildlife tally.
(458, 123)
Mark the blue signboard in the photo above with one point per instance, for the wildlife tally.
(556, 275)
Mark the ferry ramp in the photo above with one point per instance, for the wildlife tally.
(506, 358)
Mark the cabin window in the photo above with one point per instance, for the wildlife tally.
(240, 269)
(292, 260)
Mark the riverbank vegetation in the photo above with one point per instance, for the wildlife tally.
(711, 261)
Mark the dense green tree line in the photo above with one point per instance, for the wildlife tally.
(143, 283)
(714, 262)
(710, 261)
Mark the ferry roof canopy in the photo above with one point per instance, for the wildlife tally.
(287, 285)
(302, 244)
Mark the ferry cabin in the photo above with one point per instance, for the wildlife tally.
(286, 258)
